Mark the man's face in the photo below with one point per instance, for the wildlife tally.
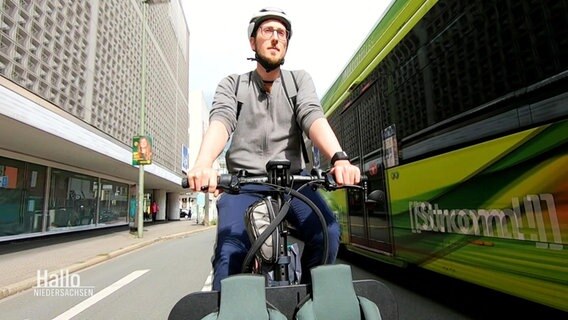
(271, 41)
(143, 147)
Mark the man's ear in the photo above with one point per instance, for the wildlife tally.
(252, 42)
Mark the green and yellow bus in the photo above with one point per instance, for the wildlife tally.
(457, 111)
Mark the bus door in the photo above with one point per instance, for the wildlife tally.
(369, 222)
(376, 207)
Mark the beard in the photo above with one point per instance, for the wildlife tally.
(267, 63)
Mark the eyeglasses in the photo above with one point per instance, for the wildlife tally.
(268, 32)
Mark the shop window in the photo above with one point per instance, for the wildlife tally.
(72, 200)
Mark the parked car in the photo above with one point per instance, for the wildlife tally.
(185, 213)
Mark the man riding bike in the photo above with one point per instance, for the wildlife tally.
(267, 127)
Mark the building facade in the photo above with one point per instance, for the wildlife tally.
(71, 102)
(202, 205)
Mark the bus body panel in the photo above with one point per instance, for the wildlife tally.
(495, 213)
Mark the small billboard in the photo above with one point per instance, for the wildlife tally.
(142, 150)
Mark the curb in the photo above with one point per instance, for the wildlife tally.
(31, 282)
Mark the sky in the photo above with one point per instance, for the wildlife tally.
(325, 36)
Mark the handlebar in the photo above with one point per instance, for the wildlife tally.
(232, 183)
(283, 183)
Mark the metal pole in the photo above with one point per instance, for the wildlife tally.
(140, 226)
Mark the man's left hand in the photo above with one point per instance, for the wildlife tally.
(345, 173)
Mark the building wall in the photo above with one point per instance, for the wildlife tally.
(70, 97)
(85, 57)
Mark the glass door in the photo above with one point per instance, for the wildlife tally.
(33, 197)
(22, 188)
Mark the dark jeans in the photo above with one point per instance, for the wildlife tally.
(233, 242)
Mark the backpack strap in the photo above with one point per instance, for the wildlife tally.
(291, 93)
(241, 95)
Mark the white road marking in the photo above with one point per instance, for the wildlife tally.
(100, 295)
(208, 283)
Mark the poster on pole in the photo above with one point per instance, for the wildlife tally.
(142, 150)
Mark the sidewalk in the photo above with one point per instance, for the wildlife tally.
(20, 261)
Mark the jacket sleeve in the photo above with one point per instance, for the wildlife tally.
(309, 108)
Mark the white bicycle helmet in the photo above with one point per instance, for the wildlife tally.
(269, 13)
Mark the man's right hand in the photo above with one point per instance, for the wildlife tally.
(203, 179)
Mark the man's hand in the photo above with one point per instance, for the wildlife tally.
(203, 179)
(345, 173)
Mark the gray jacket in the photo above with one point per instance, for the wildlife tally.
(266, 128)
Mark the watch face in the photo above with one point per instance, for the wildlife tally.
(341, 155)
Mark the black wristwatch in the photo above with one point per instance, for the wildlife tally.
(340, 155)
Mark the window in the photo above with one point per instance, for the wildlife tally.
(72, 199)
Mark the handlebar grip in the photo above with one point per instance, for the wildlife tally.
(222, 180)
(185, 184)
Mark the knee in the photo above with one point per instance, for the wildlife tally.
(231, 248)
(333, 235)
(334, 231)
(229, 255)
(227, 261)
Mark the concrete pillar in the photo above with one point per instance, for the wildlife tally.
(172, 206)
(160, 197)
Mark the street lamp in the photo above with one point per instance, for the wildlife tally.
(140, 214)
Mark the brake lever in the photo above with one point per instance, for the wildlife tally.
(318, 173)
(330, 183)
